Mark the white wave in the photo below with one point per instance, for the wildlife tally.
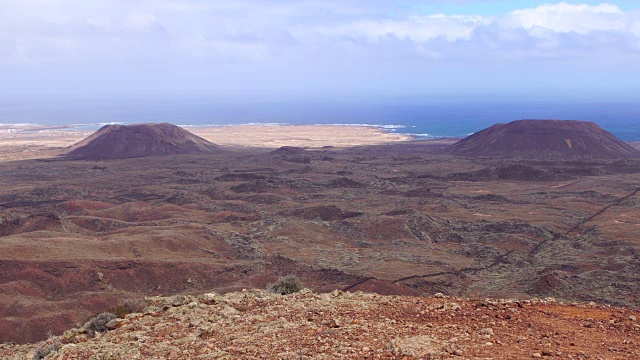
(199, 125)
(264, 124)
(111, 123)
(243, 124)
(433, 137)
(392, 126)
(17, 124)
(378, 126)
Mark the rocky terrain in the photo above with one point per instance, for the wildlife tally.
(536, 138)
(306, 325)
(80, 236)
(126, 141)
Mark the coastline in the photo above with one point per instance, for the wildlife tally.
(30, 141)
(308, 136)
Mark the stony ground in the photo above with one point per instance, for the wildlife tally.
(77, 237)
(255, 324)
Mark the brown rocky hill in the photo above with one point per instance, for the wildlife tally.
(78, 237)
(562, 138)
(127, 141)
(305, 325)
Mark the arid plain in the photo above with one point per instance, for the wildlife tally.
(342, 207)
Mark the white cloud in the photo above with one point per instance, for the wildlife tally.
(563, 17)
(283, 30)
(417, 28)
(139, 21)
(549, 31)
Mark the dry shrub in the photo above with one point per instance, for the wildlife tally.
(43, 350)
(98, 323)
(130, 306)
(286, 285)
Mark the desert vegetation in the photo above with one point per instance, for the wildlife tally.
(128, 306)
(286, 285)
(99, 323)
(43, 350)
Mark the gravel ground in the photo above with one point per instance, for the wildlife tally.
(254, 324)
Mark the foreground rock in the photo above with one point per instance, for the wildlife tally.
(535, 138)
(127, 141)
(305, 325)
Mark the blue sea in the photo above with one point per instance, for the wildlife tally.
(431, 118)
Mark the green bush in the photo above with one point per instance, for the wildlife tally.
(286, 285)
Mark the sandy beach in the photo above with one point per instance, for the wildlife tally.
(312, 136)
(18, 142)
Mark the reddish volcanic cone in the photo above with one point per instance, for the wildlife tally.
(127, 141)
(560, 138)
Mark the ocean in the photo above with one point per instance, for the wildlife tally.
(424, 119)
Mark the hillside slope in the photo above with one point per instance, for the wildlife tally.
(305, 325)
(127, 141)
(561, 138)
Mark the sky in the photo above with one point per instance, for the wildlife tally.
(342, 50)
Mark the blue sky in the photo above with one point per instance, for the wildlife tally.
(286, 50)
(495, 7)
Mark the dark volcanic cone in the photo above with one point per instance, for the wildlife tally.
(563, 138)
(127, 141)
(289, 151)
